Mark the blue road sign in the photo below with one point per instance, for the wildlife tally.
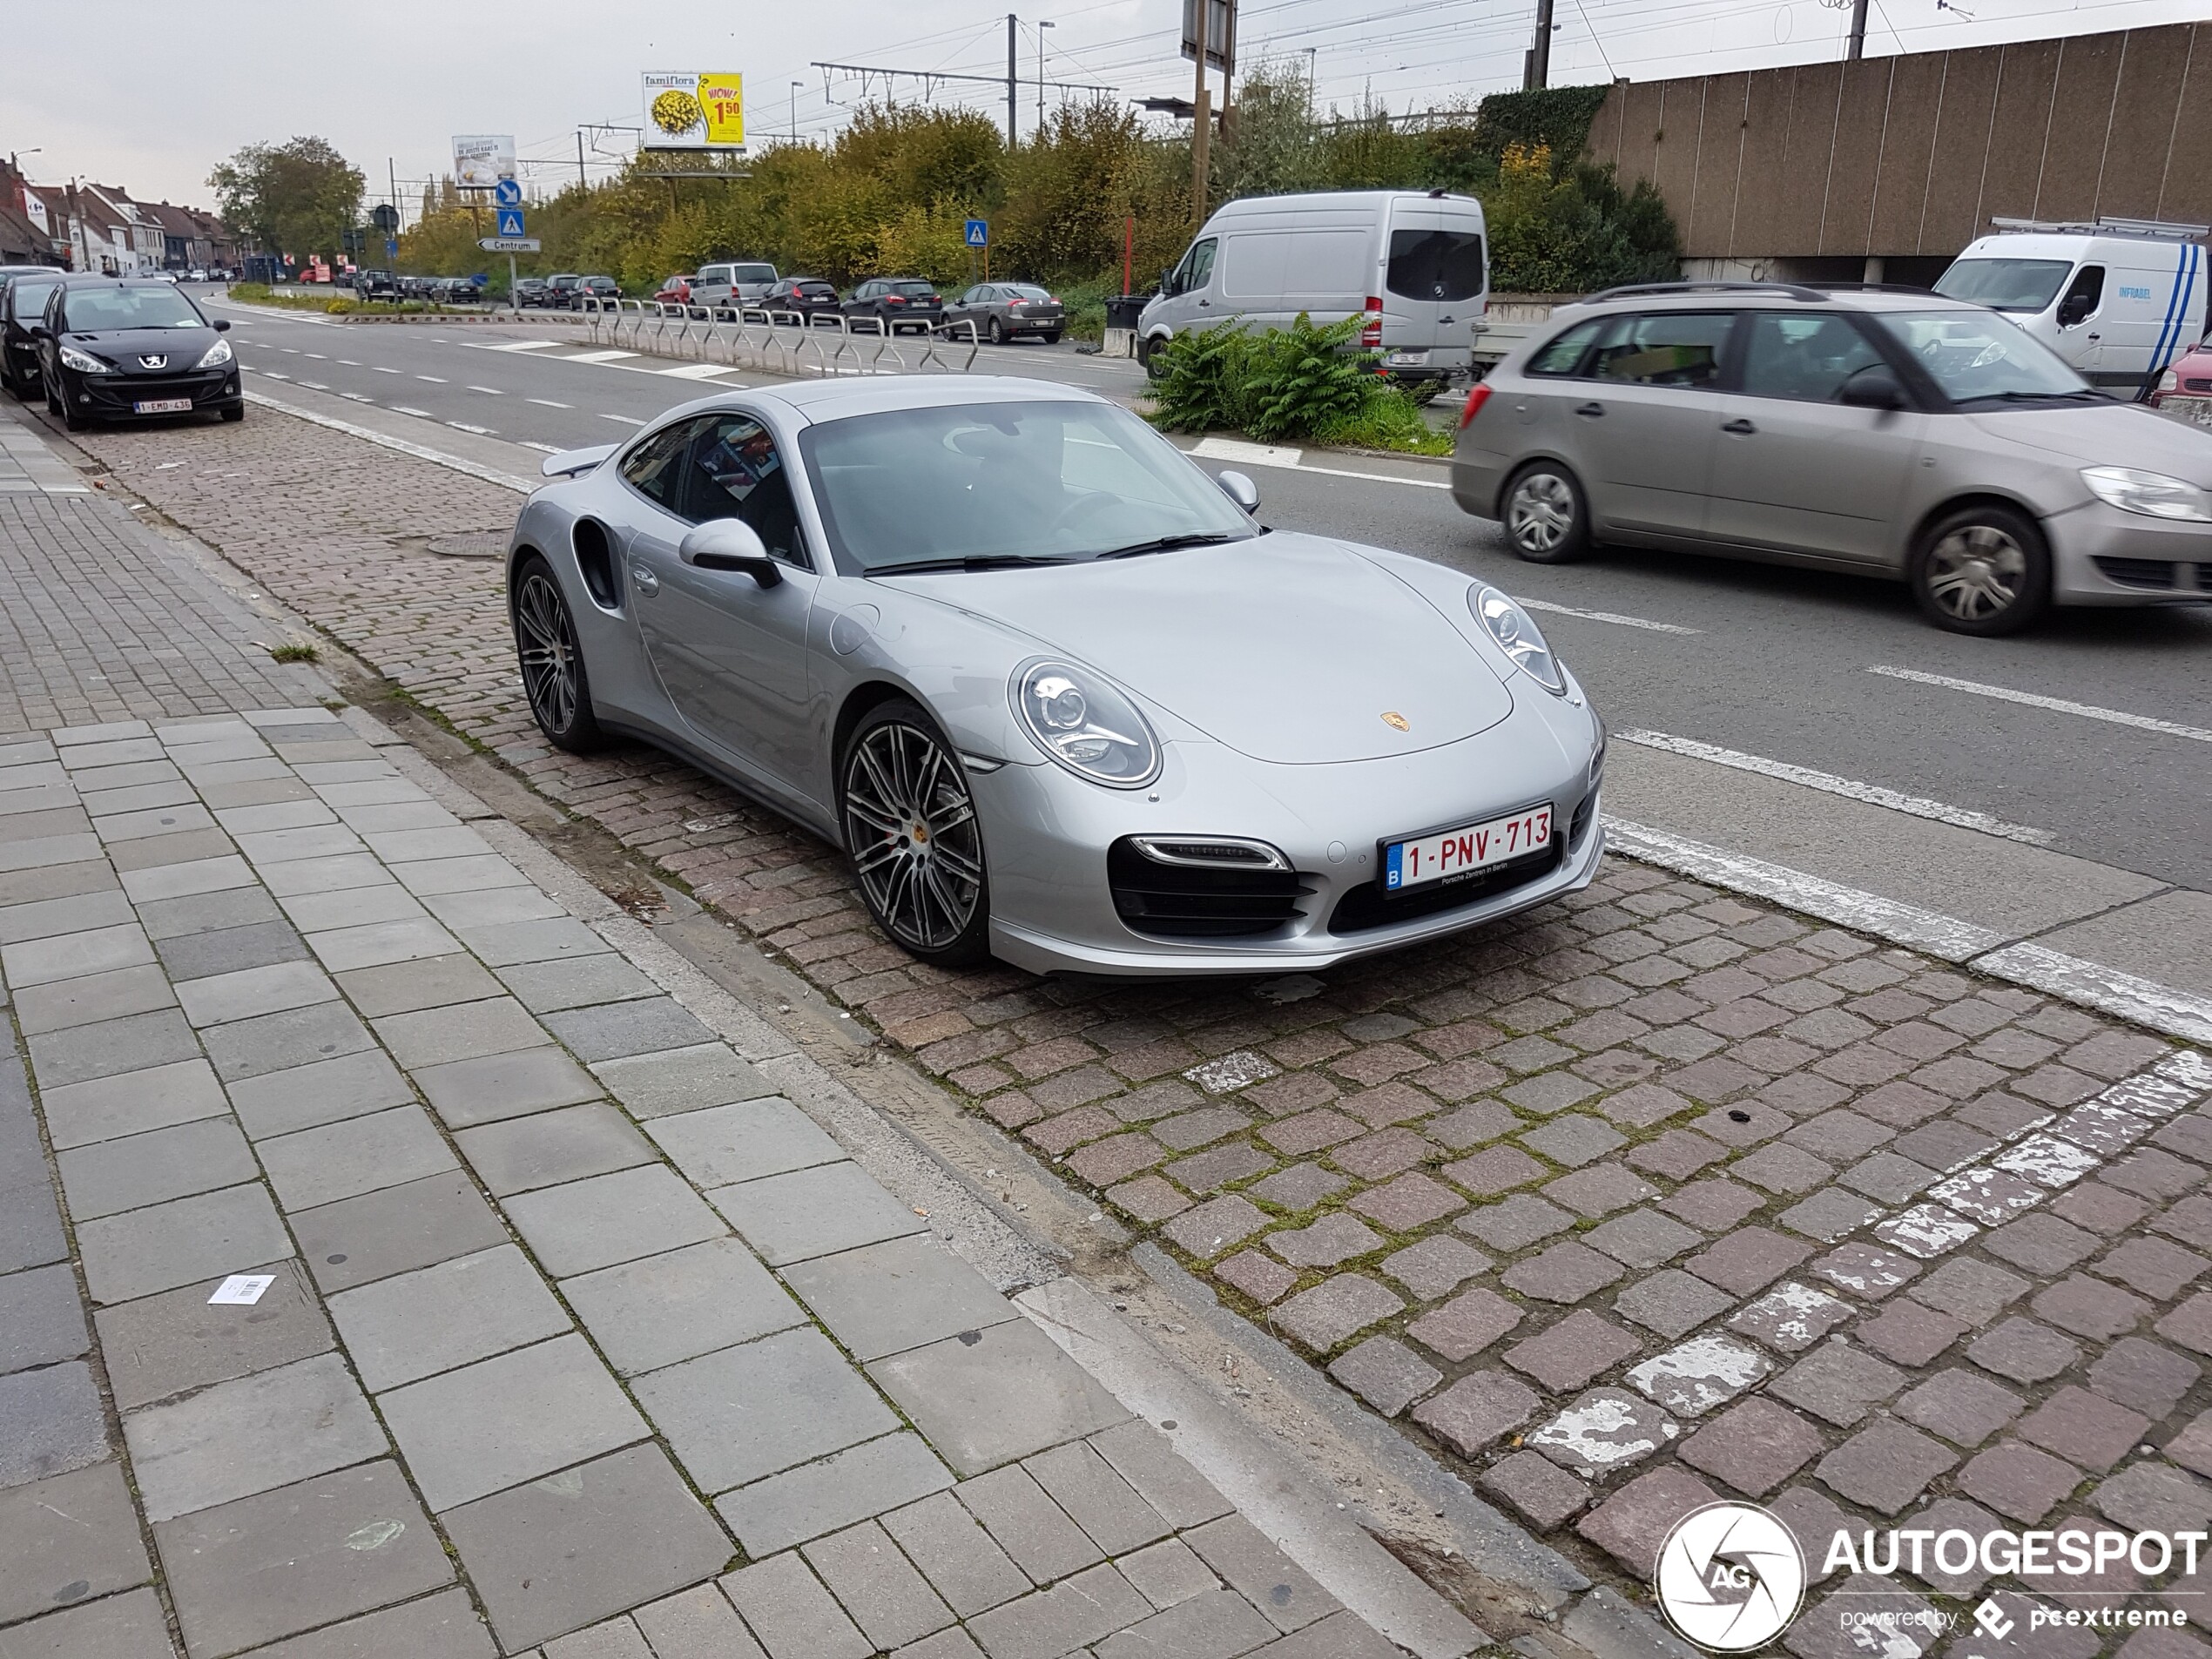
(510, 221)
(506, 193)
(391, 247)
(979, 232)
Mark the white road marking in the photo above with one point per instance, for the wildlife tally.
(272, 375)
(543, 449)
(596, 356)
(293, 351)
(549, 403)
(1828, 783)
(386, 441)
(381, 369)
(695, 371)
(480, 431)
(625, 419)
(315, 385)
(2182, 1013)
(489, 391)
(434, 380)
(1287, 459)
(1614, 617)
(402, 408)
(2057, 704)
(348, 362)
(318, 356)
(357, 397)
(513, 345)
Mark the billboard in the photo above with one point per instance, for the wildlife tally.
(481, 159)
(1220, 32)
(688, 110)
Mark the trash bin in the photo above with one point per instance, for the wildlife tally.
(1123, 309)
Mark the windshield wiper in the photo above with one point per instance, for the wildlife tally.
(2041, 397)
(1168, 543)
(973, 561)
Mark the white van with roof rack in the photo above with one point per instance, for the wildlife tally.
(1414, 264)
(2119, 299)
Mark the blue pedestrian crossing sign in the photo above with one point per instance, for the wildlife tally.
(979, 232)
(510, 221)
(506, 193)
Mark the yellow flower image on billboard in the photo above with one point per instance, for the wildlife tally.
(722, 98)
(689, 110)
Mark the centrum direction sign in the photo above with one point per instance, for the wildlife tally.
(509, 244)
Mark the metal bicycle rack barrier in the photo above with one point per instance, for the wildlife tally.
(788, 343)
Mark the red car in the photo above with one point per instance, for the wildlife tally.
(677, 290)
(2186, 387)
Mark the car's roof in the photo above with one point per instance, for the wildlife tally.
(833, 400)
(1769, 296)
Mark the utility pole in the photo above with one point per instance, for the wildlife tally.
(795, 86)
(1540, 52)
(1201, 122)
(392, 177)
(1041, 27)
(581, 183)
(1857, 48)
(1013, 112)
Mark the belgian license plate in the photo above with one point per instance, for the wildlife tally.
(1405, 359)
(162, 405)
(1448, 855)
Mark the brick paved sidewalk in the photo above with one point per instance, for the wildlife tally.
(1649, 1195)
(689, 1373)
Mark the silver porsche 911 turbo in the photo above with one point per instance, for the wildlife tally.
(1058, 696)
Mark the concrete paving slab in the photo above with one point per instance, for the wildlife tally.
(956, 1556)
(43, 918)
(2166, 937)
(1005, 1394)
(573, 982)
(40, 1320)
(51, 1422)
(486, 907)
(301, 1097)
(110, 1177)
(891, 1602)
(742, 1412)
(279, 1041)
(30, 1226)
(358, 1240)
(502, 944)
(353, 908)
(814, 1212)
(436, 1037)
(112, 996)
(591, 1223)
(680, 1304)
(696, 1623)
(885, 1298)
(179, 880)
(163, 1345)
(443, 1626)
(83, 1052)
(506, 1085)
(343, 1160)
(98, 1553)
(91, 950)
(791, 1612)
(615, 1030)
(723, 1145)
(566, 1551)
(681, 1080)
(413, 1325)
(131, 1625)
(130, 1102)
(470, 1432)
(249, 993)
(253, 1571)
(164, 1245)
(832, 1493)
(427, 982)
(553, 1146)
(252, 1434)
(204, 953)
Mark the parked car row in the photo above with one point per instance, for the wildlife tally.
(999, 310)
(101, 348)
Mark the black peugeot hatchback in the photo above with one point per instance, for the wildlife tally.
(121, 348)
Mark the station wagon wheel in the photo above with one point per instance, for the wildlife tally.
(1546, 518)
(554, 677)
(1983, 570)
(917, 847)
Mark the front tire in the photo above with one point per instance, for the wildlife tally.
(1053, 338)
(1983, 571)
(554, 677)
(1546, 516)
(917, 846)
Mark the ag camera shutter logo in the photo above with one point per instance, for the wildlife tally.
(1730, 1577)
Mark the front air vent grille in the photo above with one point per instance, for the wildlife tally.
(1197, 897)
(1581, 820)
(2138, 573)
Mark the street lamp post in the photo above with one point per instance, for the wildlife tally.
(795, 86)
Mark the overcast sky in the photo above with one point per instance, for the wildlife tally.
(177, 87)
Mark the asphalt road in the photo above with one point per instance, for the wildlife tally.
(1776, 664)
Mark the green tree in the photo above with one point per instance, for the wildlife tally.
(297, 198)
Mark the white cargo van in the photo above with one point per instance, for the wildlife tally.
(1415, 264)
(2119, 299)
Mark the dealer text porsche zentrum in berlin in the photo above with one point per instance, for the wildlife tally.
(1058, 695)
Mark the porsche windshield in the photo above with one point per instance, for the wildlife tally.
(1008, 483)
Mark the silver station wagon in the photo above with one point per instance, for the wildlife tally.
(1890, 432)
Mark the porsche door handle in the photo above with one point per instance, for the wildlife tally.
(1738, 426)
(643, 580)
(1590, 409)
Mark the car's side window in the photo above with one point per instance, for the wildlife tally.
(2083, 296)
(1564, 354)
(1664, 349)
(738, 472)
(655, 468)
(1197, 269)
(1806, 356)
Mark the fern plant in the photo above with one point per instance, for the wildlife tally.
(1305, 379)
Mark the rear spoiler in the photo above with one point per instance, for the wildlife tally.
(569, 463)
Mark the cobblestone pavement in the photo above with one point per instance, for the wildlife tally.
(691, 1378)
(1650, 1196)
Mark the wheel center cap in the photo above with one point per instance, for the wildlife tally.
(921, 835)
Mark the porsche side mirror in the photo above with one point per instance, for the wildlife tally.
(1240, 489)
(1875, 387)
(222, 325)
(730, 544)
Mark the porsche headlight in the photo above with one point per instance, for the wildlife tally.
(2152, 493)
(1518, 636)
(217, 354)
(83, 362)
(1085, 724)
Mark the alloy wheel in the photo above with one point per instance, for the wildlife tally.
(1976, 572)
(548, 650)
(911, 824)
(1540, 515)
